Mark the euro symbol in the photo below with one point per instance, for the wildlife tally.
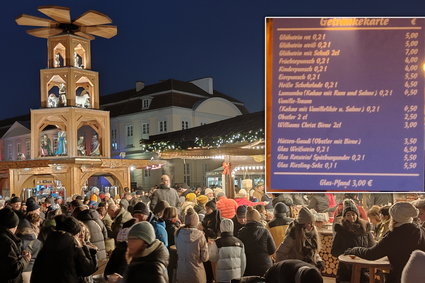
(369, 183)
(413, 21)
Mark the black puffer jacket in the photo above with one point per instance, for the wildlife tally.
(397, 245)
(97, 237)
(12, 264)
(60, 260)
(150, 266)
(259, 246)
(349, 235)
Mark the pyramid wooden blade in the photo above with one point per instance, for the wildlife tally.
(60, 14)
(28, 20)
(82, 34)
(44, 32)
(92, 18)
(102, 31)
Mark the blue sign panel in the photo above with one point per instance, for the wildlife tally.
(346, 104)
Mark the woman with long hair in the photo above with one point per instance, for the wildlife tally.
(301, 241)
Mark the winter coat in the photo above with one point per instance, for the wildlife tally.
(397, 245)
(227, 207)
(149, 266)
(97, 238)
(259, 246)
(277, 228)
(122, 217)
(60, 260)
(349, 235)
(318, 202)
(30, 243)
(117, 262)
(200, 209)
(12, 263)
(172, 226)
(211, 224)
(229, 253)
(362, 212)
(192, 251)
(288, 249)
(159, 227)
(165, 193)
(245, 201)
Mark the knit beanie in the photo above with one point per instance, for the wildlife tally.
(143, 231)
(8, 218)
(68, 224)
(124, 204)
(305, 216)
(403, 212)
(191, 219)
(211, 204)
(141, 208)
(31, 205)
(208, 191)
(280, 209)
(190, 197)
(414, 269)
(202, 199)
(241, 211)
(226, 225)
(15, 200)
(349, 205)
(252, 214)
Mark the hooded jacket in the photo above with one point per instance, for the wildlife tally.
(277, 228)
(122, 217)
(192, 251)
(397, 245)
(149, 266)
(60, 260)
(259, 246)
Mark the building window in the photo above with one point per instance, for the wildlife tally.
(163, 126)
(18, 148)
(129, 130)
(114, 134)
(185, 125)
(203, 123)
(147, 172)
(130, 136)
(145, 104)
(28, 148)
(186, 173)
(145, 128)
(9, 151)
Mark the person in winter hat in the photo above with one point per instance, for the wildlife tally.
(239, 220)
(350, 231)
(403, 238)
(259, 244)
(414, 270)
(302, 240)
(229, 254)
(211, 222)
(13, 259)
(149, 256)
(192, 250)
(280, 223)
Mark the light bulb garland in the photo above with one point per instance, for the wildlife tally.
(213, 142)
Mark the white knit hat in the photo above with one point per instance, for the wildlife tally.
(226, 225)
(403, 212)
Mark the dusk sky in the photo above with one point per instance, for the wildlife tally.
(159, 40)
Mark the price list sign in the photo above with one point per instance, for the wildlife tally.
(345, 104)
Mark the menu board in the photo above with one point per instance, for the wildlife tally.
(345, 104)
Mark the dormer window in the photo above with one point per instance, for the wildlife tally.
(145, 103)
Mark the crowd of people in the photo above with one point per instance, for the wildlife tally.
(201, 235)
